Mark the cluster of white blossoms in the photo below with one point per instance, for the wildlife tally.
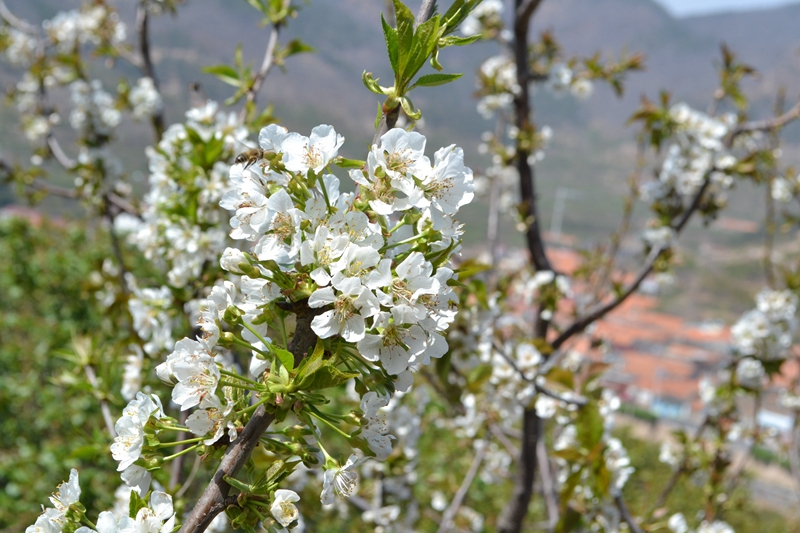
(129, 443)
(497, 80)
(485, 17)
(89, 25)
(766, 331)
(20, 46)
(153, 321)
(182, 230)
(785, 189)
(697, 149)
(373, 266)
(53, 519)
(764, 334)
(95, 109)
(67, 512)
(375, 260)
(144, 99)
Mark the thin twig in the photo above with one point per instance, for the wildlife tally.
(190, 478)
(104, 409)
(676, 474)
(548, 484)
(17, 22)
(500, 435)
(214, 497)
(266, 64)
(766, 124)
(450, 513)
(577, 400)
(600, 311)
(626, 514)
(55, 149)
(426, 11)
(176, 470)
(142, 30)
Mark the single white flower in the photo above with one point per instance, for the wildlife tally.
(283, 508)
(340, 481)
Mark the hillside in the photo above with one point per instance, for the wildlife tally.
(592, 152)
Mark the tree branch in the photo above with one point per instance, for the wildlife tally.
(17, 22)
(213, 500)
(447, 518)
(425, 11)
(513, 514)
(626, 514)
(523, 110)
(104, 409)
(142, 30)
(765, 125)
(548, 484)
(600, 311)
(576, 400)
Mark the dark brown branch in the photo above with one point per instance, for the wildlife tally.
(525, 10)
(513, 514)
(626, 514)
(142, 30)
(523, 109)
(214, 497)
(599, 312)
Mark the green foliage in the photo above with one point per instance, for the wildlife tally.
(47, 425)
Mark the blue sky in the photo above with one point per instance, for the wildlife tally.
(684, 8)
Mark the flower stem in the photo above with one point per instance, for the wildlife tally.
(237, 376)
(176, 443)
(254, 406)
(224, 383)
(185, 450)
(258, 336)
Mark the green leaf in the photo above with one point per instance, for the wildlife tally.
(296, 46)
(137, 503)
(423, 43)
(371, 83)
(311, 363)
(471, 267)
(478, 376)
(408, 107)
(259, 6)
(433, 80)
(326, 377)
(285, 357)
(405, 38)
(390, 34)
(213, 150)
(454, 40)
(226, 73)
(458, 11)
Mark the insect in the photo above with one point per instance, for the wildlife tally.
(252, 156)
